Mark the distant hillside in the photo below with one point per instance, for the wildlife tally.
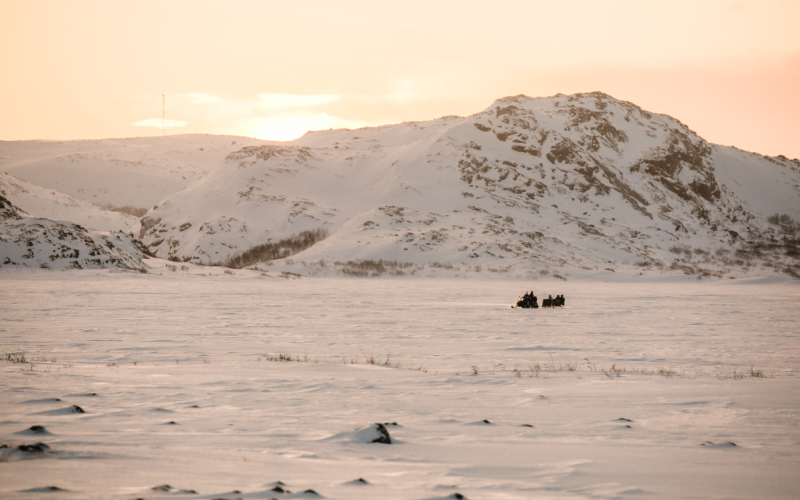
(138, 172)
(581, 182)
(51, 204)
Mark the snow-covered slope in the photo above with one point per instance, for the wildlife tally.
(578, 181)
(137, 171)
(51, 204)
(27, 241)
(766, 185)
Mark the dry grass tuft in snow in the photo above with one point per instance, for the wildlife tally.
(535, 370)
(367, 359)
(529, 370)
(15, 357)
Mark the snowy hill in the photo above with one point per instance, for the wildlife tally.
(27, 241)
(582, 181)
(50, 204)
(138, 172)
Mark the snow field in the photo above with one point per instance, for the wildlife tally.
(195, 351)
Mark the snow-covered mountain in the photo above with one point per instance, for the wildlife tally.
(582, 181)
(27, 241)
(137, 171)
(51, 204)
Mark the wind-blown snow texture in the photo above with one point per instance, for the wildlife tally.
(137, 352)
(576, 181)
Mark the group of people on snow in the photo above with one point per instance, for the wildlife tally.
(530, 301)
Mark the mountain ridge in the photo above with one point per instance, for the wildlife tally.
(562, 184)
(529, 182)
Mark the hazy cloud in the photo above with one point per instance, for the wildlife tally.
(157, 123)
(270, 102)
(290, 125)
(201, 98)
(272, 116)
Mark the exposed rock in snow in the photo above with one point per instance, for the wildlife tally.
(34, 430)
(27, 241)
(375, 433)
(581, 181)
(9, 453)
(727, 444)
(43, 489)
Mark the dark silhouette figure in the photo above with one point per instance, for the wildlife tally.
(528, 301)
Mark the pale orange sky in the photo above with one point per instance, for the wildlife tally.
(74, 69)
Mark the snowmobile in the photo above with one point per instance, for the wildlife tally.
(556, 302)
(531, 302)
(527, 303)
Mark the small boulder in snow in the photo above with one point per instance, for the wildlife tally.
(727, 444)
(375, 433)
(33, 448)
(43, 489)
(35, 429)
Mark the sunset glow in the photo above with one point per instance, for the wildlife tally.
(288, 127)
(72, 70)
(400, 250)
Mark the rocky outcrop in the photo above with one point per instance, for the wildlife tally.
(578, 181)
(43, 243)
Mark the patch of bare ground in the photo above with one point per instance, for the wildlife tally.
(137, 212)
(779, 252)
(278, 249)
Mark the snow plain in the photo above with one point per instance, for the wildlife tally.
(139, 351)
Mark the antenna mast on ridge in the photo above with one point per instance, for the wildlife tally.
(163, 113)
